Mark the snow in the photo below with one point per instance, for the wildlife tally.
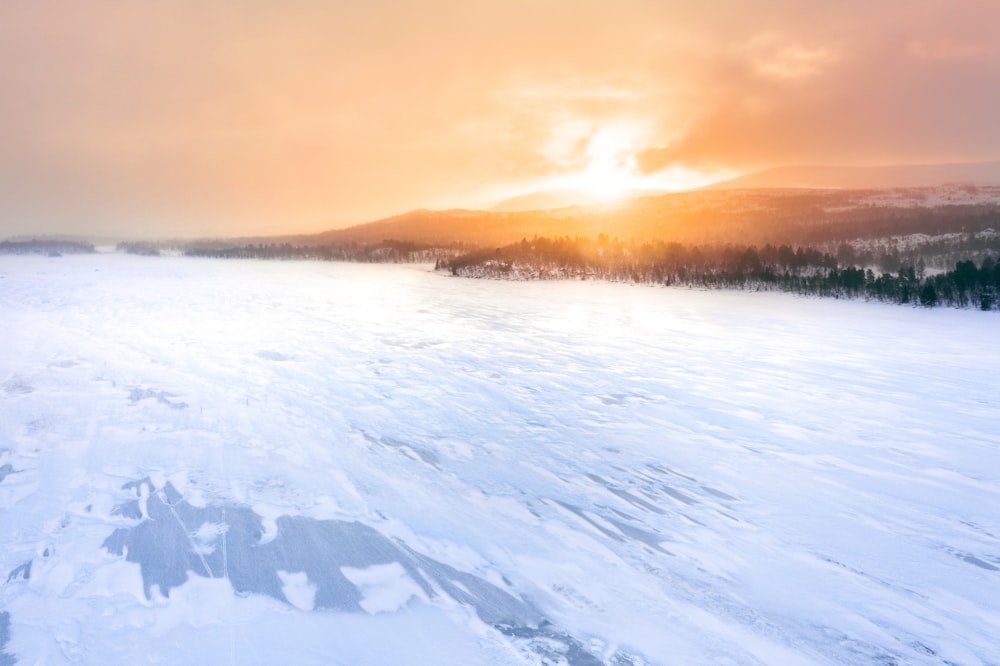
(386, 587)
(265, 462)
(298, 590)
(955, 194)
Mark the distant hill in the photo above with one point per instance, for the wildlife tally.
(758, 215)
(478, 227)
(550, 199)
(762, 214)
(876, 177)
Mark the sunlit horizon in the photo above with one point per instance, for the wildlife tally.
(170, 119)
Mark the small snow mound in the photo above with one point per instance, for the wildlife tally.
(385, 587)
(297, 589)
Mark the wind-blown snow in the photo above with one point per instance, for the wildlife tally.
(282, 462)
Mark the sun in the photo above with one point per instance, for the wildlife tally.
(600, 162)
(612, 171)
(607, 179)
(614, 179)
(608, 157)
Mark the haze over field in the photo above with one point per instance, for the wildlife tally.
(239, 118)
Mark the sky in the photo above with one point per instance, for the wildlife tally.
(181, 118)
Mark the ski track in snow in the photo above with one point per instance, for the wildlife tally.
(389, 465)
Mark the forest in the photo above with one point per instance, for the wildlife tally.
(919, 246)
(387, 251)
(800, 270)
(53, 248)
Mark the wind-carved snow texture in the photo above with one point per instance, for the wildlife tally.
(161, 397)
(420, 453)
(16, 385)
(5, 659)
(166, 547)
(269, 355)
(22, 571)
(368, 464)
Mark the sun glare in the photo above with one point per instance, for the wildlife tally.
(600, 164)
(612, 171)
(610, 179)
(605, 180)
(609, 173)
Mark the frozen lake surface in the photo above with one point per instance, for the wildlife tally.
(207, 461)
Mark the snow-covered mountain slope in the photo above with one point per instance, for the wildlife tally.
(206, 461)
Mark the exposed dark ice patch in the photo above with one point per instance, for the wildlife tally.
(636, 501)
(695, 520)
(268, 355)
(169, 543)
(718, 493)
(625, 495)
(859, 651)
(6, 470)
(493, 605)
(624, 515)
(425, 455)
(975, 561)
(622, 398)
(36, 426)
(678, 495)
(583, 515)
(23, 571)
(662, 469)
(128, 509)
(162, 397)
(69, 363)
(5, 659)
(16, 385)
(554, 646)
(624, 531)
(978, 528)
(649, 538)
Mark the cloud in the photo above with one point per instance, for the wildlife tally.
(874, 96)
(947, 50)
(232, 115)
(773, 57)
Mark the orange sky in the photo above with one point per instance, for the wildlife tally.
(174, 117)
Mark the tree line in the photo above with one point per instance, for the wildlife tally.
(388, 251)
(52, 248)
(801, 270)
(141, 248)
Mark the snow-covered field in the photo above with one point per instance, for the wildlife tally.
(206, 461)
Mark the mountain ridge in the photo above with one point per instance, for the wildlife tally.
(814, 176)
(719, 212)
(566, 198)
